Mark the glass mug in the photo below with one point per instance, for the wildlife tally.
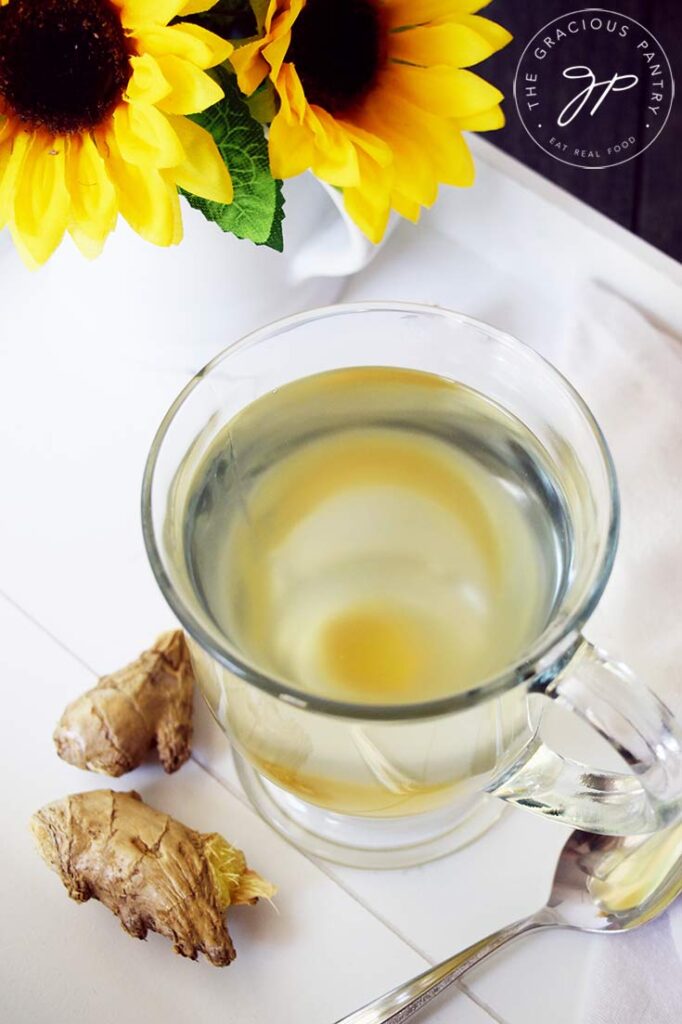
(396, 784)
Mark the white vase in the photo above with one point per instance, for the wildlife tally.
(178, 307)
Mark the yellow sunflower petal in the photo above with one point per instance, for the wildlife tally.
(217, 48)
(203, 172)
(375, 181)
(93, 197)
(250, 66)
(405, 207)
(278, 31)
(145, 198)
(471, 94)
(87, 246)
(449, 155)
(400, 13)
(371, 220)
(461, 170)
(497, 36)
(147, 83)
(191, 90)
(5, 154)
(452, 44)
(486, 121)
(276, 51)
(145, 136)
(196, 7)
(177, 232)
(371, 144)
(300, 126)
(201, 47)
(25, 253)
(427, 149)
(7, 129)
(345, 176)
(281, 14)
(413, 164)
(336, 160)
(14, 154)
(266, 55)
(368, 205)
(294, 105)
(41, 199)
(413, 171)
(148, 12)
(254, 61)
(291, 147)
(445, 92)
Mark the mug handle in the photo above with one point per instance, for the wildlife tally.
(638, 726)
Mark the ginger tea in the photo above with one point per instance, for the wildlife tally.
(373, 536)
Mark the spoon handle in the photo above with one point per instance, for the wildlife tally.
(402, 1002)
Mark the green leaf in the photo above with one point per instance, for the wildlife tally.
(275, 239)
(262, 102)
(260, 9)
(257, 210)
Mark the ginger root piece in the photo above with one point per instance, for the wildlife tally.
(110, 728)
(151, 871)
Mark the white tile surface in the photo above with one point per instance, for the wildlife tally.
(77, 419)
(421, 264)
(74, 435)
(318, 957)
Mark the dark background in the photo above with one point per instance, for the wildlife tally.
(645, 194)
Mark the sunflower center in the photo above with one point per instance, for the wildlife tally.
(63, 63)
(337, 47)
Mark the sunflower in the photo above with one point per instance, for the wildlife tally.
(93, 98)
(374, 96)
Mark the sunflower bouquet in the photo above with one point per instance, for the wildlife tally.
(112, 107)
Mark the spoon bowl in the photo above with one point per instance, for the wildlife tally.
(615, 883)
(601, 884)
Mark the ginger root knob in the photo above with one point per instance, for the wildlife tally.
(153, 872)
(148, 703)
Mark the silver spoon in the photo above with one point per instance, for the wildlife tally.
(601, 884)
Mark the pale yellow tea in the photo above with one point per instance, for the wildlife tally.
(376, 535)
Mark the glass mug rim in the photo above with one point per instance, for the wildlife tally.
(551, 647)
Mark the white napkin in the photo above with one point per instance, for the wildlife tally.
(630, 374)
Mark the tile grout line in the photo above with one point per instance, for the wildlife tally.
(430, 961)
(238, 795)
(35, 622)
(481, 1003)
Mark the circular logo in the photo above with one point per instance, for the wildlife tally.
(594, 88)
